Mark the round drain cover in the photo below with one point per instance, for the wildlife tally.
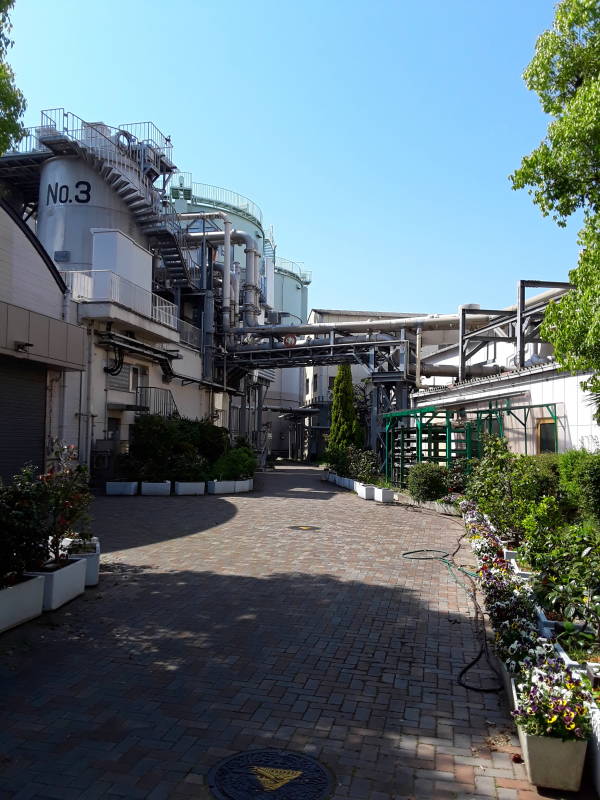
(304, 528)
(270, 775)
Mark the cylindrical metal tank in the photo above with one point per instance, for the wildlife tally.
(73, 199)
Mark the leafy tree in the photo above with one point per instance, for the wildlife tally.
(563, 173)
(344, 429)
(12, 102)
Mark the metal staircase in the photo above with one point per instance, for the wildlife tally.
(126, 164)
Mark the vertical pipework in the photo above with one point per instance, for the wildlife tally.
(257, 281)
(418, 357)
(249, 309)
(227, 276)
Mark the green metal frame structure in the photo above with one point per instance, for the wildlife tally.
(441, 435)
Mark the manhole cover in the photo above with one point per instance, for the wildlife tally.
(304, 528)
(270, 775)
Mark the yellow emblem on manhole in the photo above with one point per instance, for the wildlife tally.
(272, 779)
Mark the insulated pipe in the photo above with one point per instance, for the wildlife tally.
(451, 370)
(227, 231)
(227, 275)
(418, 358)
(251, 248)
(430, 322)
(235, 288)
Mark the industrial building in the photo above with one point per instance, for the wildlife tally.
(128, 288)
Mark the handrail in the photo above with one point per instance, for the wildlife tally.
(103, 285)
(294, 267)
(204, 193)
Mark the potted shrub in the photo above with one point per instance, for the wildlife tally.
(233, 471)
(553, 718)
(188, 472)
(153, 480)
(64, 498)
(382, 494)
(88, 551)
(365, 490)
(21, 544)
(127, 477)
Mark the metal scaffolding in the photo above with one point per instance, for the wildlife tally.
(442, 435)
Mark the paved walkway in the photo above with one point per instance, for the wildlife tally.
(217, 628)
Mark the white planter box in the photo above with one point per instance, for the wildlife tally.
(189, 487)
(325, 475)
(92, 560)
(122, 487)
(349, 484)
(566, 658)
(551, 762)
(244, 486)
(332, 476)
(544, 624)
(522, 573)
(63, 584)
(21, 602)
(162, 488)
(366, 491)
(381, 495)
(594, 747)
(221, 487)
(509, 555)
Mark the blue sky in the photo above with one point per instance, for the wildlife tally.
(376, 137)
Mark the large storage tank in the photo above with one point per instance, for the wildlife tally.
(290, 301)
(74, 199)
(245, 215)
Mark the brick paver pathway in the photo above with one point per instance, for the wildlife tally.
(217, 629)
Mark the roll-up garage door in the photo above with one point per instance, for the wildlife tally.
(22, 415)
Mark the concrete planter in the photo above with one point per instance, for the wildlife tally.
(63, 584)
(522, 573)
(122, 487)
(366, 491)
(325, 475)
(21, 602)
(189, 487)
(594, 747)
(161, 488)
(221, 487)
(381, 495)
(331, 477)
(244, 486)
(349, 484)
(552, 763)
(92, 559)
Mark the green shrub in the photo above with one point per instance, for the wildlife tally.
(427, 481)
(187, 467)
(588, 476)
(23, 525)
(570, 465)
(235, 464)
(362, 465)
(505, 486)
(541, 528)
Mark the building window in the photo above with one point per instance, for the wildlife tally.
(307, 390)
(331, 382)
(546, 436)
(315, 383)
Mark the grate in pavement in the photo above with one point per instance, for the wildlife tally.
(270, 775)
